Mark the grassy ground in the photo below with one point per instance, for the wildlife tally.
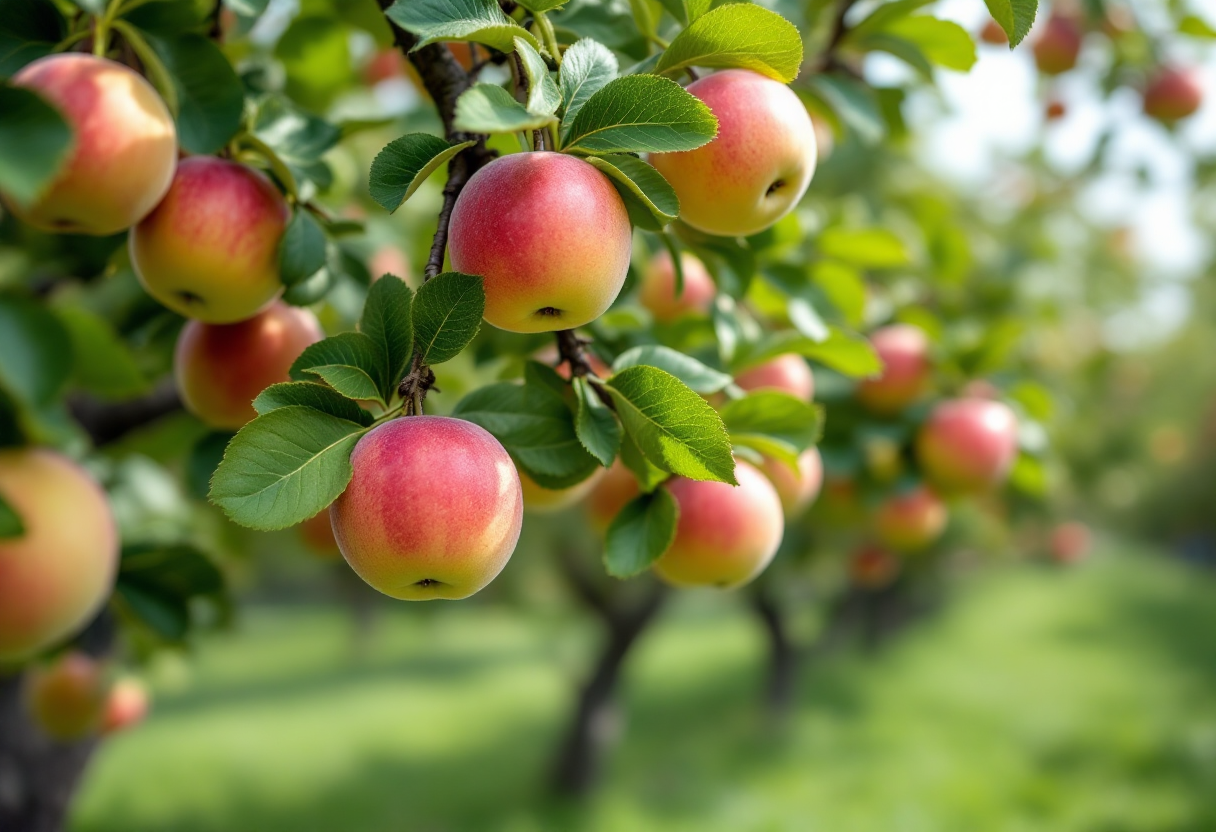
(1039, 701)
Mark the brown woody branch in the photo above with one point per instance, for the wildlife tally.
(445, 79)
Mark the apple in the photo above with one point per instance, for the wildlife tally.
(541, 500)
(658, 292)
(126, 706)
(58, 573)
(550, 236)
(221, 368)
(610, 494)
(967, 445)
(758, 166)
(317, 534)
(1058, 45)
(124, 147)
(1172, 94)
(787, 373)
(390, 260)
(993, 34)
(67, 698)
(911, 521)
(797, 490)
(433, 509)
(904, 352)
(726, 535)
(210, 250)
(1070, 542)
(873, 568)
(385, 64)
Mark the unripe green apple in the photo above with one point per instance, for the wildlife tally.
(904, 352)
(210, 250)
(1172, 94)
(613, 491)
(221, 368)
(759, 165)
(54, 577)
(967, 445)
(797, 490)
(124, 148)
(787, 373)
(541, 500)
(433, 509)
(1058, 46)
(67, 699)
(658, 292)
(726, 534)
(549, 235)
(126, 705)
(911, 521)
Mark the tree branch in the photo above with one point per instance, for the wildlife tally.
(107, 422)
(445, 79)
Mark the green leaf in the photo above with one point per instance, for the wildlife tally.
(1196, 27)
(447, 315)
(637, 180)
(537, 429)
(349, 381)
(35, 142)
(317, 396)
(479, 21)
(868, 248)
(737, 35)
(404, 164)
(943, 42)
(882, 16)
(388, 323)
(640, 534)
(28, 31)
(843, 286)
(776, 415)
(699, 377)
(641, 114)
(594, 424)
(153, 67)
(311, 289)
(543, 95)
(675, 428)
(853, 101)
(10, 521)
(102, 362)
(586, 67)
(647, 474)
(297, 137)
(211, 98)
(284, 467)
(541, 5)
(35, 351)
(302, 248)
(844, 352)
(487, 108)
(167, 618)
(349, 349)
(1015, 16)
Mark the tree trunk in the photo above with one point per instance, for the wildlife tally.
(595, 722)
(784, 657)
(38, 775)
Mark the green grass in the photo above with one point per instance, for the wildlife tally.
(1041, 700)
